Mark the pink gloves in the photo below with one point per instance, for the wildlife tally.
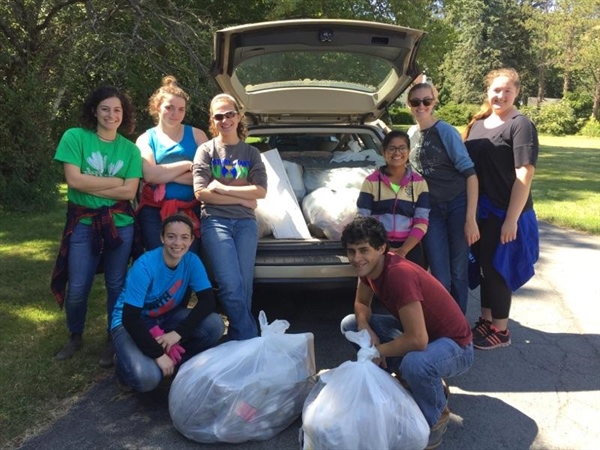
(176, 351)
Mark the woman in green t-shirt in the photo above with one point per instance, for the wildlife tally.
(102, 170)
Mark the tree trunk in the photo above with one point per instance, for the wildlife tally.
(596, 98)
(541, 84)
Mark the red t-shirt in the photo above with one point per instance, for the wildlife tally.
(402, 282)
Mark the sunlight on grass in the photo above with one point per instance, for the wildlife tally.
(35, 314)
(566, 186)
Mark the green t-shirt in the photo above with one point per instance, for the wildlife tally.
(119, 158)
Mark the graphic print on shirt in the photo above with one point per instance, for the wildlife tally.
(435, 153)
(100, 168)
(164, 302)
(230, 170)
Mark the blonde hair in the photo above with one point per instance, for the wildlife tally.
(242, 131)
(169, 86)
(486, 107)
(416, 87)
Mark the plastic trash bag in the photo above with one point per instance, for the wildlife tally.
(330, 211)
(244, 390)
(336, 179)
(359, 406)
(294, 172)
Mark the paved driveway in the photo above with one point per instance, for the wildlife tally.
(543, 392)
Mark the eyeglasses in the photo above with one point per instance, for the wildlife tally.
(391, 149)
(414, 102)
(225, 115)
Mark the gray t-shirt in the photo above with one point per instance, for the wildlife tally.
(233, 165)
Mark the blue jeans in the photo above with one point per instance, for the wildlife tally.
(140, 371)
(447, 249)
(422, 370)
(230, 246)
(82, 268)
(151, 226)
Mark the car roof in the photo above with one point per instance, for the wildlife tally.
(315, 70)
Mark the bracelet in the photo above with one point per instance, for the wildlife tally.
(192, 167)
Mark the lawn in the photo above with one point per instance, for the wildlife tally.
(36, 388)
(566, 186)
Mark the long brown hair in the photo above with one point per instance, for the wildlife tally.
(486, 107)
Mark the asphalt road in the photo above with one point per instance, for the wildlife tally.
(543, 392)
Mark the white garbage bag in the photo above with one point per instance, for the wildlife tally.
(244, 390)
(330, 211)
(359, 406)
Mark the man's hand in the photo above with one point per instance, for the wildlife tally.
(166, 364)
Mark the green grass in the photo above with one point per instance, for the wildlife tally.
(566, 186)
(36, 388)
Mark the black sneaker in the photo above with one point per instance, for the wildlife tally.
(481, 328)
(107, 357)
(123, 387)
(494, 339)
(73, 345)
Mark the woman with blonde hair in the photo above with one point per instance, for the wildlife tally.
(168, 150)
(504, 146)
(229, 177)
(440, 156)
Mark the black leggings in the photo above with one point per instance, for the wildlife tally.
(494, 292)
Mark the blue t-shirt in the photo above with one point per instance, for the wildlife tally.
(158, 289)
(183, 150)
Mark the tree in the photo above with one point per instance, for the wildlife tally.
(490, 34)
(57, 51)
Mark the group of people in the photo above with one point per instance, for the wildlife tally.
(456, 196)
(192, 188)
(441, 202)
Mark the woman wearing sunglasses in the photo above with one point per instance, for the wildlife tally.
(229, 177)
(439, 154)
(398, 197)
(167, 151)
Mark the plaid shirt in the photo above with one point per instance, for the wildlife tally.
(105, 235)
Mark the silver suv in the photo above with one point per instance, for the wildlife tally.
(315, 90)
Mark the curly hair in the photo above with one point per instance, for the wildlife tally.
(365, 229)
(242, 131)
(486, 108)
(169, 86)
(88, 117)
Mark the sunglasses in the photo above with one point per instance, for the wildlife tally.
(225, 115)
(414, 102)
(391, 149)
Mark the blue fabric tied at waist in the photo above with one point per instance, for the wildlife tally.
(514, 260)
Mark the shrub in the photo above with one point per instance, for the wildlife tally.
(557, 119)
(591, 128)
(532, 112)
(401, 115)
(457, 114)
(28, 176)
(582, 104)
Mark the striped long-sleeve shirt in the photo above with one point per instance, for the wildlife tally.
(403, 214)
